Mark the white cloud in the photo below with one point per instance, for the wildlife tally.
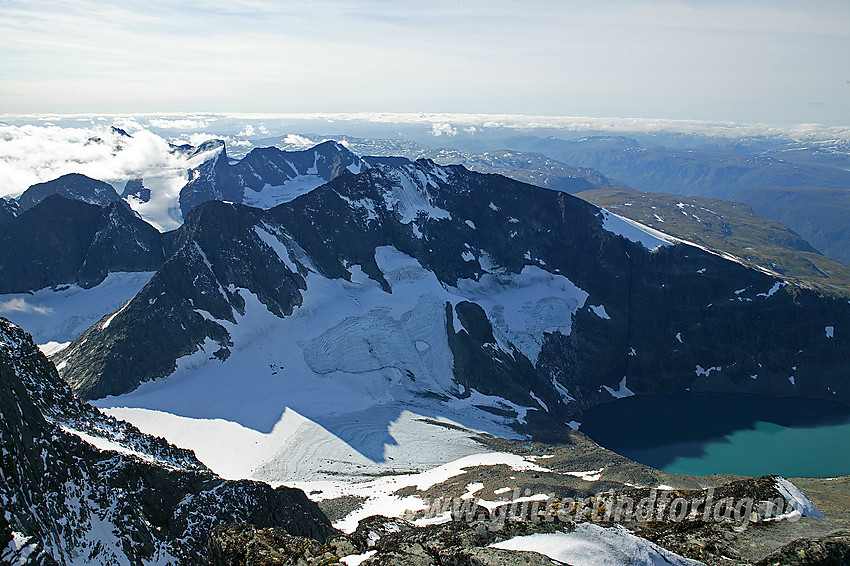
(195, 139)
(179, 124)
(32, 154)
(247, 131)
(21, 305)
(129, 125)
(298, 142)
(36, 153)
(438, 130)
(478, 121)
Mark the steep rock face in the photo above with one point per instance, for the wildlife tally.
(210, 181)
(9, 209)
(136, 499)
(544, 305)
(135, 188)
(72, 186)
(266, 176)
(734, 228)
(68, 241)
(217, 250)
(274, 167)
(123, 242)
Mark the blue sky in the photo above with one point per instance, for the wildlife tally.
(746, 61)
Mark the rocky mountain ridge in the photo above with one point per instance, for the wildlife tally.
(78, 486)
(720, 323)
(528, 167)
(61, 241)
(801, 183)
(731, 227)
(73, 186)
(266, 176)
(9, 209)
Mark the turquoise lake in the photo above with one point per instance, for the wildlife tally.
(715, 433)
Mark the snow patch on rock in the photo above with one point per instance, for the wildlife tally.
(599, 310)
(802, 505)
(522, 306)
(593, 545)
(621, 392)
(650, 238)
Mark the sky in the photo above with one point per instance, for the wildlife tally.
(778, 62)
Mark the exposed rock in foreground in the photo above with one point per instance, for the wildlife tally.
(555, 532)
(379, 540)
(830, 550)
(79, 487)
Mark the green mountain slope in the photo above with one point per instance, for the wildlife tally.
(729, 227)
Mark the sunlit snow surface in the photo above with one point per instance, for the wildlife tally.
(803, 506)
(592, 545)
(344, 384)
(56, 317)
(270, 196)
(380, 497)
(650, 238)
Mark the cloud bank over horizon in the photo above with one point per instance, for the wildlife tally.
(32, 154)
(758, 61)
(38, 148)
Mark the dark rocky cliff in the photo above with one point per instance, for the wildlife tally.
(141, 500)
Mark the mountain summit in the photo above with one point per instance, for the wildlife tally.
(72, 186)
(266, 176)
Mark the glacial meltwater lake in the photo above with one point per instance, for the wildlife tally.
(726, 433)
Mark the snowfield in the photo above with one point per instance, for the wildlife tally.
(592, 545)
(649, 238)
(353, 381)
(379, 493)
(55, 317)
(270, 196)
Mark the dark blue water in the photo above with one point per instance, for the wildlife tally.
(719, 433)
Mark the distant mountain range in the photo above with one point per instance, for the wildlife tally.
(801, 184)
(714, 171)
(476, 227)
(528, 167)
(266, 176)
(819, 214)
